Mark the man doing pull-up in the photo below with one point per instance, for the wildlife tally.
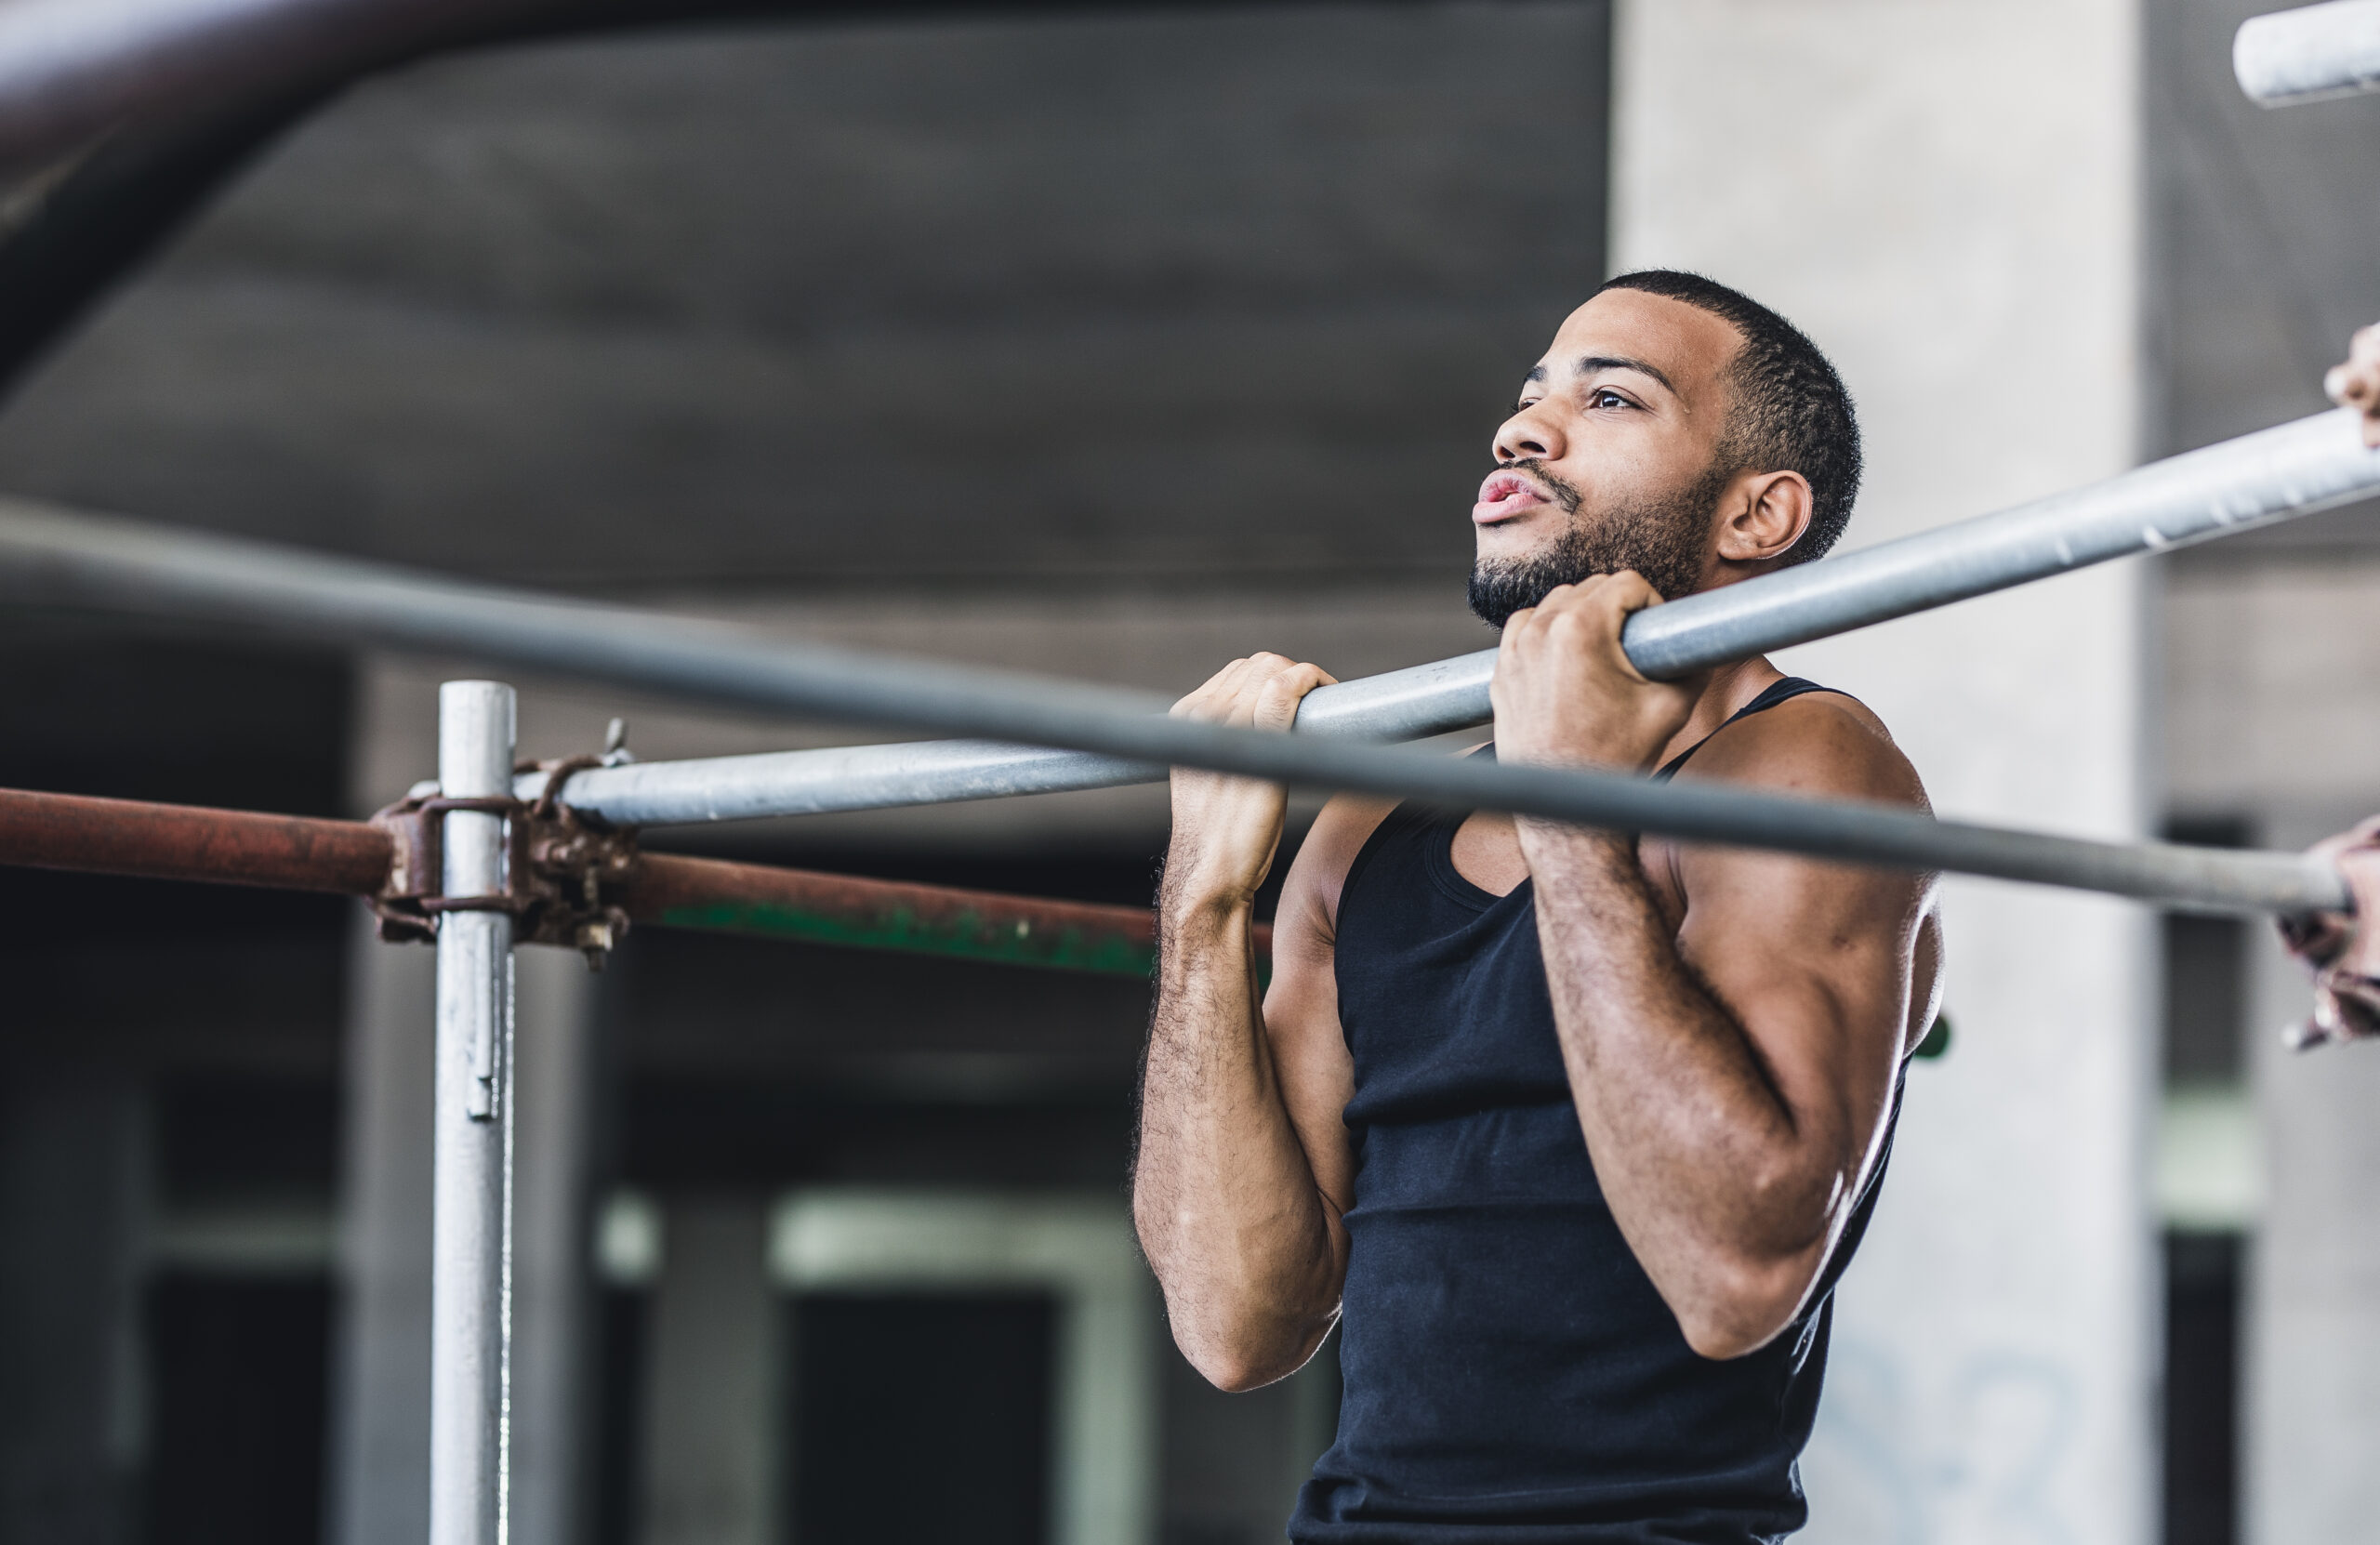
(1571, 1132)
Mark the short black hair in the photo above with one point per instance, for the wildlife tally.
(1792, 412)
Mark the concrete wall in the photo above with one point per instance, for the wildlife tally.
(2273, 688)
(1944, 193)
(2270, 255)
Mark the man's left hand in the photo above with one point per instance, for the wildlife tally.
(1564, 691)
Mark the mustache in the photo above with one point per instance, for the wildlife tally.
(1564, 493)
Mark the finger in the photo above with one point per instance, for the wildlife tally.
(1633, 592)
(1277, 704)
(1251, 674)
(2335, 384)
(1628, 594)
(1215, 695)
(1254, 682)
(1251, 686)
(1609, 606)
(1300, 677)
(1508, 650)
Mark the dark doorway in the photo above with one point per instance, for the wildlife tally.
(622, 1331)
(2201, 1388)
(921, 1419)
(238, 1369)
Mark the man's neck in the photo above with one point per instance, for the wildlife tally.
(1731, 688)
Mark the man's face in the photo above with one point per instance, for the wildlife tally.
(1609, 461)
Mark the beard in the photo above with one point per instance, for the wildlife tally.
(1665, 540)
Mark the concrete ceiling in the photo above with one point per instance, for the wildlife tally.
(1236, 294)
(2264, 254)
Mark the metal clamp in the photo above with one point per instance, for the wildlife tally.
(558, 864)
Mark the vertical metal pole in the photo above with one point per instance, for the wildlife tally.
(470, 1294)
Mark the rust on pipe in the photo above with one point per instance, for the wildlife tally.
(225, 847)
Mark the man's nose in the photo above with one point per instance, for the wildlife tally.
(1530, 434)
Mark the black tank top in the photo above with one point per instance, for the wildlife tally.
(1510, 1373)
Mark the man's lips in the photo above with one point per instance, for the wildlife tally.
(1505, 495)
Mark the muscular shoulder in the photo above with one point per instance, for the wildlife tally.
(1821, 744)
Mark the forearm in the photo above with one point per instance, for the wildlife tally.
(1223, 1193)
(1704, 1163)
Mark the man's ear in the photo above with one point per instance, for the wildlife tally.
(1768, 515)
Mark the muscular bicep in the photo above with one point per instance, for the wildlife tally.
(1823, 965)
(1814, 961)
(1309, 1046)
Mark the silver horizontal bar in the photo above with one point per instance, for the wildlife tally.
(836, 778)
(1399, 704)
(53, 559)
(2296, 468)
(2308, 54)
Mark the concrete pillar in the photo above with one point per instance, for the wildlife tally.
(557, 1085)
(1944, 193)
(380, 1457)
(711, 1433)
(74, 1177)
(2312, 1347)
(381, 1396)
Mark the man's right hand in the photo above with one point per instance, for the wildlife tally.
(2356, 383)
(1227, 829)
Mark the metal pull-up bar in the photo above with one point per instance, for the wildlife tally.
(2296, 468)
(2313, 464)
(2309, 53)
(71, 69)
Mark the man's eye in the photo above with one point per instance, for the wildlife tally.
(1604, 397)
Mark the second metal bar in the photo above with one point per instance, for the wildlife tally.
(2296, 468)
(2308, 54)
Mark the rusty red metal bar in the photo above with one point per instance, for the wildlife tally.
(225, 847)
(296, 853)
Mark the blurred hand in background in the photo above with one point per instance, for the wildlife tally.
(2356, 383)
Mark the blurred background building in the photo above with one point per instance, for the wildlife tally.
(1115, 341)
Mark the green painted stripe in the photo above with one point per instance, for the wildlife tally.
(965, 936)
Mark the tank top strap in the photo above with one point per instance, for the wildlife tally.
(1413, 816)
(1783, 690)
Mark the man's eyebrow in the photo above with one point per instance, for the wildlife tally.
(1538, 374)
(1590, 364)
